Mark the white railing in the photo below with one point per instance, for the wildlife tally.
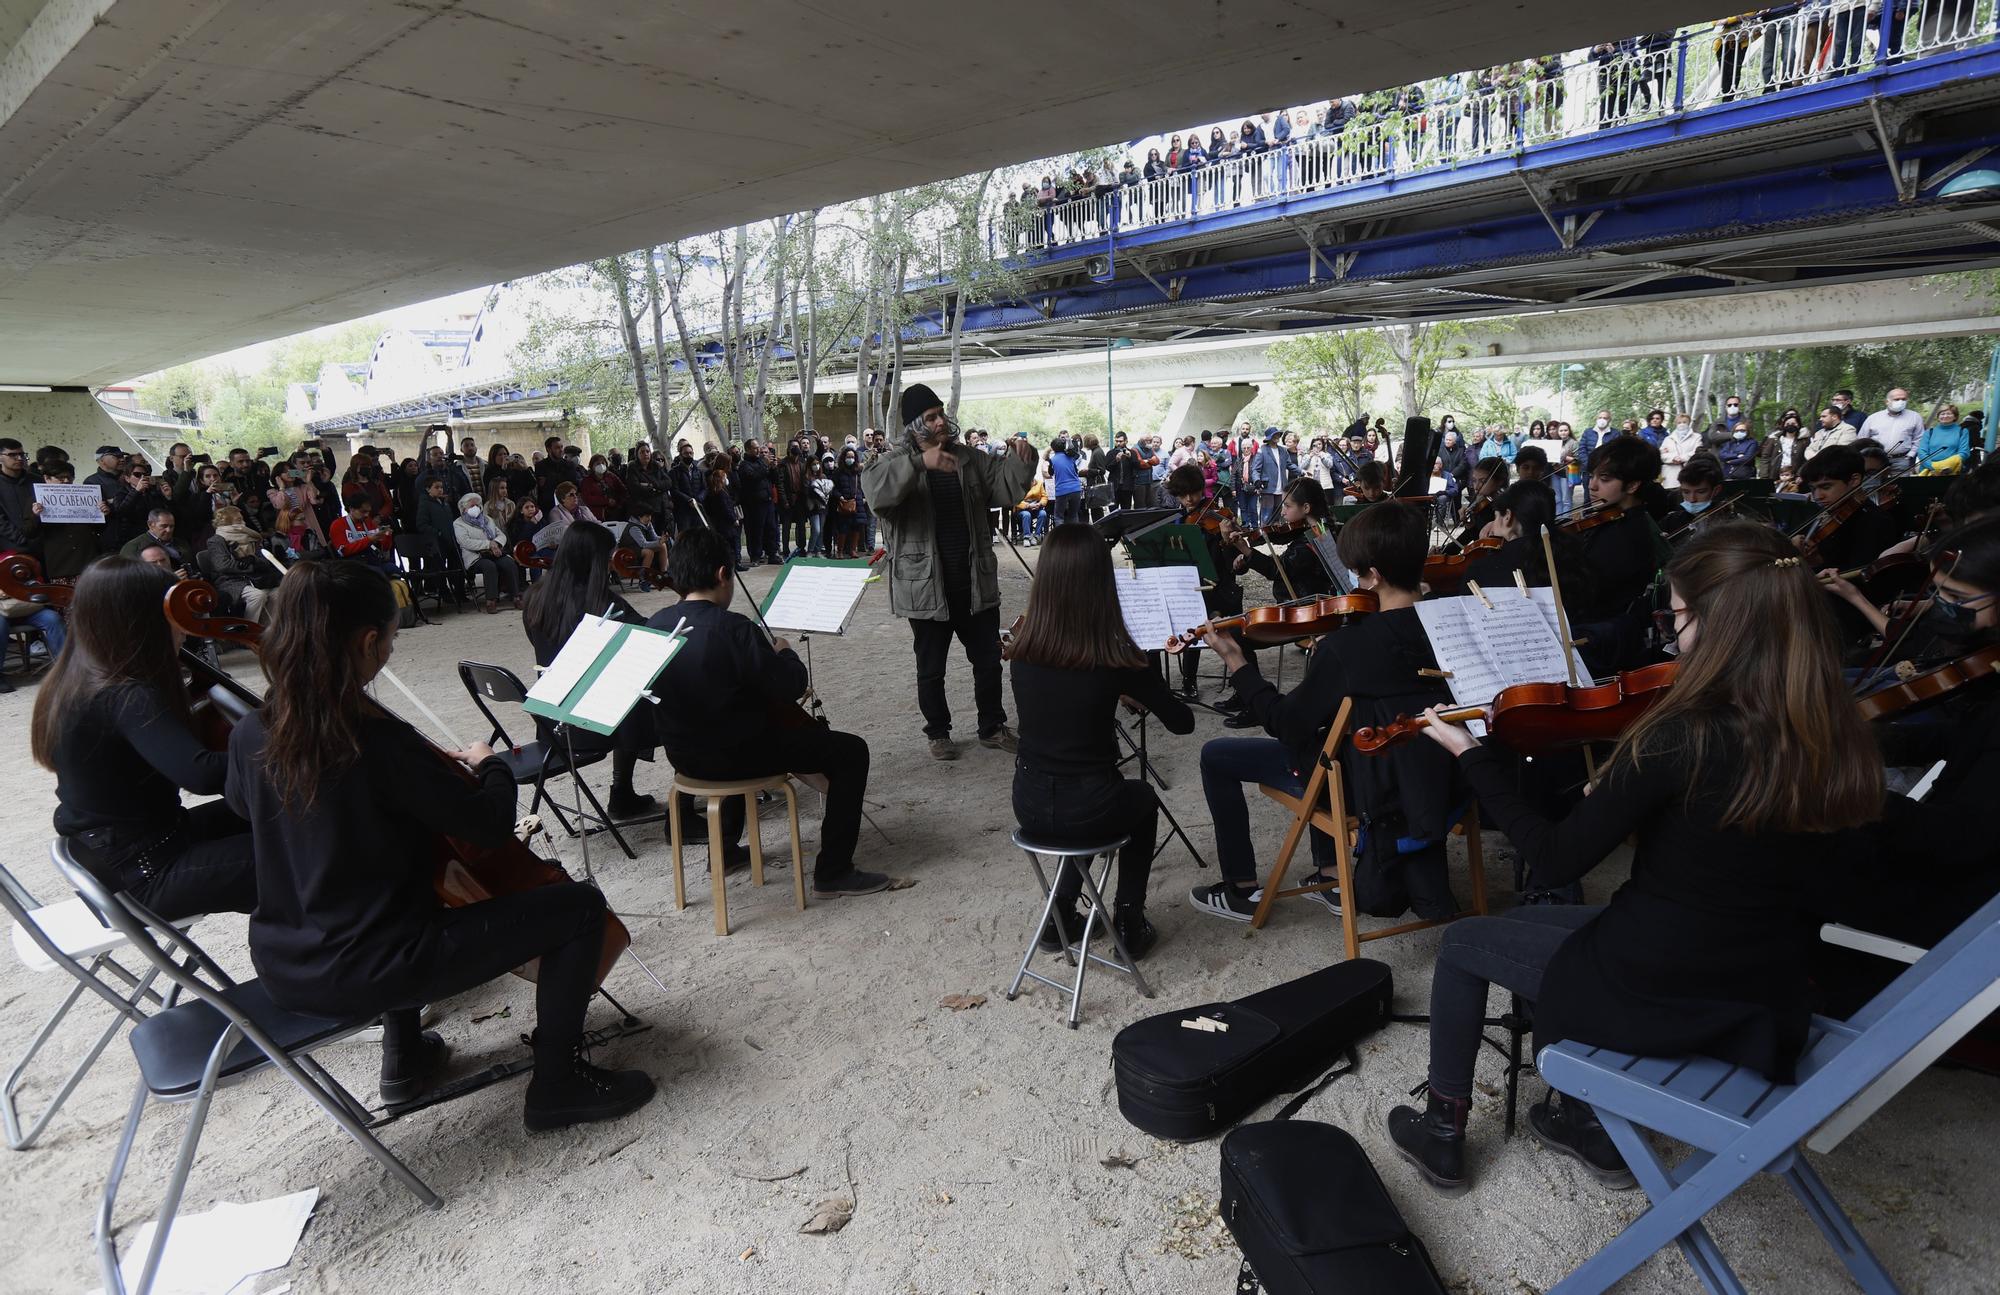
(1613, 85)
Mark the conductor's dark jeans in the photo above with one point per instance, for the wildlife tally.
(1511, 951)
(1091, 811)
(980, 633)
(812, 748)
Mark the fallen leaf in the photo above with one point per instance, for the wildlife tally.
(1119, 1160)
(500, 1015)
(778, 1177)
(961, 1002)
(830, 1215)
(944, 1198)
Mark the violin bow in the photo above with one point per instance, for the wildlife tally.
(1568, 642)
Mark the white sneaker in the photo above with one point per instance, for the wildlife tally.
(1226, 900)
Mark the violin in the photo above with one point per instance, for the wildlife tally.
(1537, 718)
(1589, 519)
(1284, 622)
(1443, 571)
(1211, 516)
(1822, 528)
(21, 578)
(1274, 531)
(1931, 686)
(1890, 578)
(463, 872)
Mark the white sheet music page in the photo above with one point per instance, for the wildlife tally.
(1179, 588)
(638, 662)
(1145, 612)
(816, 600)
(1488, 652)
(586, 644)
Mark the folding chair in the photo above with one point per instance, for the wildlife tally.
(66, 935)
(226, 1032)
(1740, 1124)
(534, 762)
(1323, 804)
(424, 569)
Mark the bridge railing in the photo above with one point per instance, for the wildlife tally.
(1613, 85)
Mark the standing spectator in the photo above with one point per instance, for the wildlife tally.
(1594, 435)
(1680, 445)
(1655, 430)
(1945, 444)
(848, 522)
(1274, 471)
(1783, 452)
(496, 466)
(1843, 400)
(19, 519)
(441, 467)
(500, 505)
(1126, 469)
(290, 490)
(110, 474)
(1898, 428)
(1499, 445)
(685, 484)
(753, 495)
(364, 477)
(1719, 430)
(1738, 454)
(1065, 481)
(1833, 430)
(1456, 466)
(469, 463)
(603, 492)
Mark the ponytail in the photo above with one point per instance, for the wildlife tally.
(312, 717)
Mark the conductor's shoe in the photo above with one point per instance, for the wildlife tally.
(576, 1092)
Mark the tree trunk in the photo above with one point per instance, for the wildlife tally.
(628, 325)
(696, 378)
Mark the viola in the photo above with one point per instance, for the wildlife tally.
(463, 872)
(21, 578)
(1931, 686)
(1284, 622)
(1537, 718)
(1444, 571)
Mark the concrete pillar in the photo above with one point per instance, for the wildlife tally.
(69, 418)
(1213, 408)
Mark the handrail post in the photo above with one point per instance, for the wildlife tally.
(1882, 35)
(1680, 72)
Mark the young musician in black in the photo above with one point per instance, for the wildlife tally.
(1704, 951)
(1072, 662)
(1623, 548)
(1700, 484)
(1524, 513)
(1186, 485)
(1832, 475)
(1487, 479)
(347, 804)
(1303, 505)
(111, 720)
(724, 702)
(578, 584)
(1408, 793)
(1371, 482)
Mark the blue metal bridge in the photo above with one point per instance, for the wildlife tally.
(1811, 148)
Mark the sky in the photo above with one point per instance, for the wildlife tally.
(424, 314)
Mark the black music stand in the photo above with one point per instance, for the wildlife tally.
(1151, 776)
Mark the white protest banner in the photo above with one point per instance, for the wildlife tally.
(70, 503)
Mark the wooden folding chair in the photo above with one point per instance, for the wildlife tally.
(1323, 805)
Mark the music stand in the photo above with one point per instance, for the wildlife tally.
(1148, 774)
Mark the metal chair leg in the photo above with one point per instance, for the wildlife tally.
(1034, 936)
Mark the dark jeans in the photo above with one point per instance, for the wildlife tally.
(499, 577)
(1226, 764)
(206, 868)
(1069, 508)
(1072, 810)
(1511, 951)
(814, 748)
(463, 948)
(980, 633)
(756, 516)
(1123, 497)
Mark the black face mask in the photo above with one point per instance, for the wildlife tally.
(1948, 620)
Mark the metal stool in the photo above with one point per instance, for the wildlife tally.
(1077, 954)
(716, 793)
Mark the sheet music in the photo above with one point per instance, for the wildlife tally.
(629, 672)
(1145, 612)
(1179, 590)
(816, 600)
(591, 636)
(1488, 652)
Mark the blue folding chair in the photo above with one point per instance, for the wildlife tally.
(1740, 1124)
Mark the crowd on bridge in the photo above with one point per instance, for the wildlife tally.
(1469, 114)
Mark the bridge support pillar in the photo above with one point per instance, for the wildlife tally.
(1197, 408)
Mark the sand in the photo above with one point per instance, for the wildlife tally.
(807, 1057)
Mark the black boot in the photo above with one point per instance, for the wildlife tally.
(1137, 934)
(1051, 939)
(412, 1057)
(1433, 1139)
(1571, 1127)
(567, 1089)
(624, 802)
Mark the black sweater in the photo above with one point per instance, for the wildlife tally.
(716, 695)
(1301, 563)
(344, 894)
(121, 763)
(1704, 950)
(1067, 716)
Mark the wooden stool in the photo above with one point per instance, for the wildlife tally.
(717, 792)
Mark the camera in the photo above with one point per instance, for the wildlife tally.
(268, 452)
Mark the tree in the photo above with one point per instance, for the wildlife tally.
(1325, 375)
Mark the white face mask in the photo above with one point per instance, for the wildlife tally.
(1733, 407)
(1898, 406)
(1739, 434)
(1603, 423)
(1682, 429)
(473, 512)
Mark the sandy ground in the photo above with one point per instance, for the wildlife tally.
(806, 1056)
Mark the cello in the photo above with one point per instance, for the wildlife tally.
(21, 578)
(463, 872)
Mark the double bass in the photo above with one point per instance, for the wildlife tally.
(463, 872)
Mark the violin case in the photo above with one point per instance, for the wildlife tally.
(1190, 1074)
(1312, 1217)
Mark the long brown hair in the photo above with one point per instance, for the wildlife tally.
(1761, 689)
(118, 634)
(1073, 621)
(312, 717)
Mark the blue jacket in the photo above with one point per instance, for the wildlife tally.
(1493, 448)
(1062, 475)
(1271, 470)
(1942, 442)
(1739, 458)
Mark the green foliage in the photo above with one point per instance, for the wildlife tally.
(1324, 376)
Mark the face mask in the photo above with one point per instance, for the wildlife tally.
(1603, 423)
(1738, 434)
(1733, 408)
(473, 512)
(1898, 406)
(1948, 620)
(597, 470)
(1682, 429)
(1695, 505)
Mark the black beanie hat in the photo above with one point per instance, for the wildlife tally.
(917, 399)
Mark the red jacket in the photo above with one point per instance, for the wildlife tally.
(349, 540)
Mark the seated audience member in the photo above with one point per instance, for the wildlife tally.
(1032, 513)
(500, 503)
(159, 533)
(1704, 950)
(1072, 663)
(482, 551)
(715, 720)
(345, 804)
(236, 563)
(1377, 661)
(568, 510)
(640, 536)
(360, 535)
(111, 720)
